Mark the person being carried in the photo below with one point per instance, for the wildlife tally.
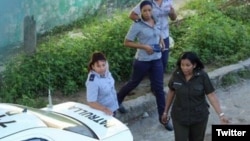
(100, 85)
(189, 86)
(145, 37)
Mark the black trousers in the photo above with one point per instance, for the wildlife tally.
(194, 132)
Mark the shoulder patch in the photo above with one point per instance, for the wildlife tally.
(92, 77)
(138, 20)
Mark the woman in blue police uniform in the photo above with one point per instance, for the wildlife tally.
(100, 85)
(162, 9)
(189, 86)
(148, 56)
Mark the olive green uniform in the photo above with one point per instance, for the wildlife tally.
(190, 108)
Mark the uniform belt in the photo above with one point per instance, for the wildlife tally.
(156, 47)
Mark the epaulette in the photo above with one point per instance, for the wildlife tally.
(92, 77)
(137, 20)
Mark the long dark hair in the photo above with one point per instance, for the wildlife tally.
(95, 57)
(193, 58)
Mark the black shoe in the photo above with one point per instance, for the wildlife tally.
(168, 126)
(122, 110)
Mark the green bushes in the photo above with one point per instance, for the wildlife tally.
(233, 77)
(218, 36)
(61, 61)
(108, 37)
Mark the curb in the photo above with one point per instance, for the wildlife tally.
(138, 106)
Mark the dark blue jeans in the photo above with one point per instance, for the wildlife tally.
(165, 54)
(140, 70)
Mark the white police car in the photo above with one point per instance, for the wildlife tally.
(69, 121)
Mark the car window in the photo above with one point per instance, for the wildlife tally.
(36, 139)
(83, 130)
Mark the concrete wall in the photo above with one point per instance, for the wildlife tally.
(47, 13)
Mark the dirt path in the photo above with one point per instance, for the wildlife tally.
(179, 3)
(142, 89)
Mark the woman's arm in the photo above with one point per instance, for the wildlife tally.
(162, 43)
(216, 105)
(100, 107)
(172, 14)
(132, 44)
(169, 99)
(134, 16)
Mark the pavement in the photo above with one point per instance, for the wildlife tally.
(138, 106)
(235, 103)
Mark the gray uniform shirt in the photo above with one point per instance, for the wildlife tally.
(145, 34)
(161, 12)
(101, 89)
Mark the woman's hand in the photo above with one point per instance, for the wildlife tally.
(162, 44)
(149, 49)
(224, 120)
(107, 111)
(172, 14)
(165, 118)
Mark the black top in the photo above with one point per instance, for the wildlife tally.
(190, 105)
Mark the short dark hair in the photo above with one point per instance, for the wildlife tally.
(145, 2)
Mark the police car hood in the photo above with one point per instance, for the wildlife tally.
(104, 126)
(13, 120)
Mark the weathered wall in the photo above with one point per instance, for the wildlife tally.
(47, 13)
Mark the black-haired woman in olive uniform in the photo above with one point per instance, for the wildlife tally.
(189, 86)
